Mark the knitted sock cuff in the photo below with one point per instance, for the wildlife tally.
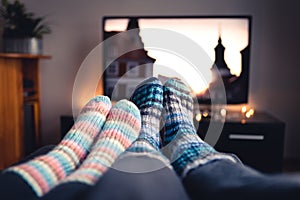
(187, 151)
(205, 160)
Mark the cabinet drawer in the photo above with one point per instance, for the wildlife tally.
(258, 145)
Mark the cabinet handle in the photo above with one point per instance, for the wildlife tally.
(245, 137)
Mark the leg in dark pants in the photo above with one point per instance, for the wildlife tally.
(223, 179)
(138, 178)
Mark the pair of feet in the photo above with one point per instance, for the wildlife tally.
(100, 134)
(180, 143)
(169, 101)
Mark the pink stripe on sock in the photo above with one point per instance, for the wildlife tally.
(90, 178)
(93, 167)
(55, 165)
(37, 176)
(125, 117)
(85, 127)
(86, 172)
(117, 135)
(79, 151)
(106, 150)
(97, 166)
(101, 107)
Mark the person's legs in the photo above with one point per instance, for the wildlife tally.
(142, 172)
(223, 179)
(41, 151)
(208, 174)
(119, 131)
(36, 177)
(121, 182)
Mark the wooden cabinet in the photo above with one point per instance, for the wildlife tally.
(19, 91)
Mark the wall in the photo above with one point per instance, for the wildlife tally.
(76, 24)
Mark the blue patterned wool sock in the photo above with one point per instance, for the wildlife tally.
(45, 172)
(148, 97)
(185, 149)
(121, 128)
(181, 93)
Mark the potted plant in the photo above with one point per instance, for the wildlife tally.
(22, 31)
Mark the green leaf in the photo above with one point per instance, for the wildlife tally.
(20, 23)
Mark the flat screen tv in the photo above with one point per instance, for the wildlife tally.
(225, 39)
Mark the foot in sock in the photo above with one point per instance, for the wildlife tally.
(121, 128)
(148, 97)
(178, 95)
(185, 149)
(44, 172)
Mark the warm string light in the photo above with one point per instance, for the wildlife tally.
(244, 109)
(198, 117)
(201, 115)
(247, 112)
(206, 114)
(223, 112)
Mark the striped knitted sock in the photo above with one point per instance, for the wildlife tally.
(121, 128)
(44, 172)
(186, 149)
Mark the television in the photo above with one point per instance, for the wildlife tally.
(224, 39)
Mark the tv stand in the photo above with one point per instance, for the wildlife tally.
(258, 141)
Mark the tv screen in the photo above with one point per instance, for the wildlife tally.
(225, 39)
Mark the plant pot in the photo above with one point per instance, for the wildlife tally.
(23, 45)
